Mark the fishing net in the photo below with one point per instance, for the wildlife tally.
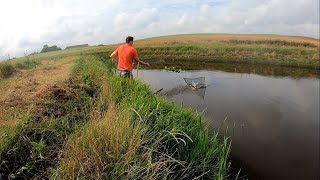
(195, 83)
(184, 90)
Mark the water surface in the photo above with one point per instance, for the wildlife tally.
(273, 121)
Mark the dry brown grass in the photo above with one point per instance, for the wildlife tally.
(29, 84)
(209, 39)
(19, 93)
(5, 116)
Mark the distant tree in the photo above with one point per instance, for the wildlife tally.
(35, 52)
(47, 48)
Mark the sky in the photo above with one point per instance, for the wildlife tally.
(25, 26)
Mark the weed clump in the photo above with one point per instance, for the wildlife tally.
(6, 70)
(26, 64)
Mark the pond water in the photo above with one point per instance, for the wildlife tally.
(273, 121)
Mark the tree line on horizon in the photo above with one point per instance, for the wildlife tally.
(47, 48)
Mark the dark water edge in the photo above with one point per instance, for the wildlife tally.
(264, 70)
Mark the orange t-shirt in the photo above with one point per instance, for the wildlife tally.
(126, 55)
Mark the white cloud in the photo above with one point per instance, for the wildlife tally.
(28, 25)
(136, 21)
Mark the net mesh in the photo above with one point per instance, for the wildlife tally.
(195, 83)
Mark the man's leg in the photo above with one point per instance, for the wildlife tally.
(126, 74)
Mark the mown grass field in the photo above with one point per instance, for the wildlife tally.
(243, 49)
(218, 38)
(64, 115)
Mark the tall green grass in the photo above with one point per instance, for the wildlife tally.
(143, 137)
(97, 125)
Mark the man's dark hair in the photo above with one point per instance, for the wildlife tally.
(128, 39)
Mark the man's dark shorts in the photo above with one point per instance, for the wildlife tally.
(124, 73)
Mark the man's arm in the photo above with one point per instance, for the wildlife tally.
(114, 56)
(140, 62)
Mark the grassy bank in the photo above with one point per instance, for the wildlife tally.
(273, 50)
(231, 53)
(141, 137)
(21, 92)
(97, 125)
(40, 135)
(12, 67)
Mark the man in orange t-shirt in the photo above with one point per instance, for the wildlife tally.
(127, 53)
